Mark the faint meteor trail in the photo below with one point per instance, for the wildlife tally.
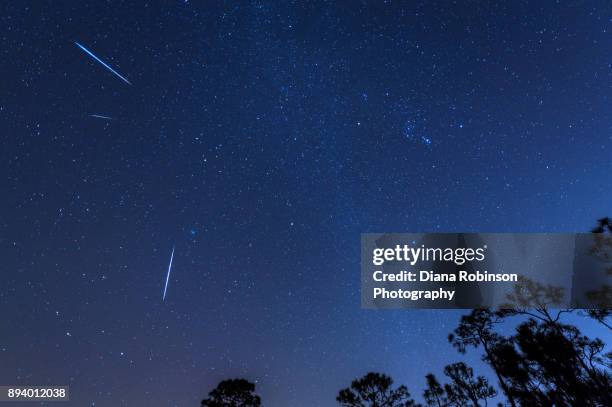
(102, 62)
(99, 116)
(168, 275)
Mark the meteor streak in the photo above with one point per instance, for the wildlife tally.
(99, 116)
(168, 275)
(102, 62)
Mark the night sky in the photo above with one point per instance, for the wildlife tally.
(260, 140)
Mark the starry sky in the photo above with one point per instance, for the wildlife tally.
(260, 140)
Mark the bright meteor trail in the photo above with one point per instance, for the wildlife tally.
(99, 116)
(102, 62)
(168, 275)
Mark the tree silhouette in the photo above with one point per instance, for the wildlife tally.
(602, 250)
(464, 389)
(601, 315)
(554, 364)
(434, 394)
(374, 390)
(476, 330)
(528, 293)
(603, 225)
(233, 393)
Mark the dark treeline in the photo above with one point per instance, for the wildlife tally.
(544, 362)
